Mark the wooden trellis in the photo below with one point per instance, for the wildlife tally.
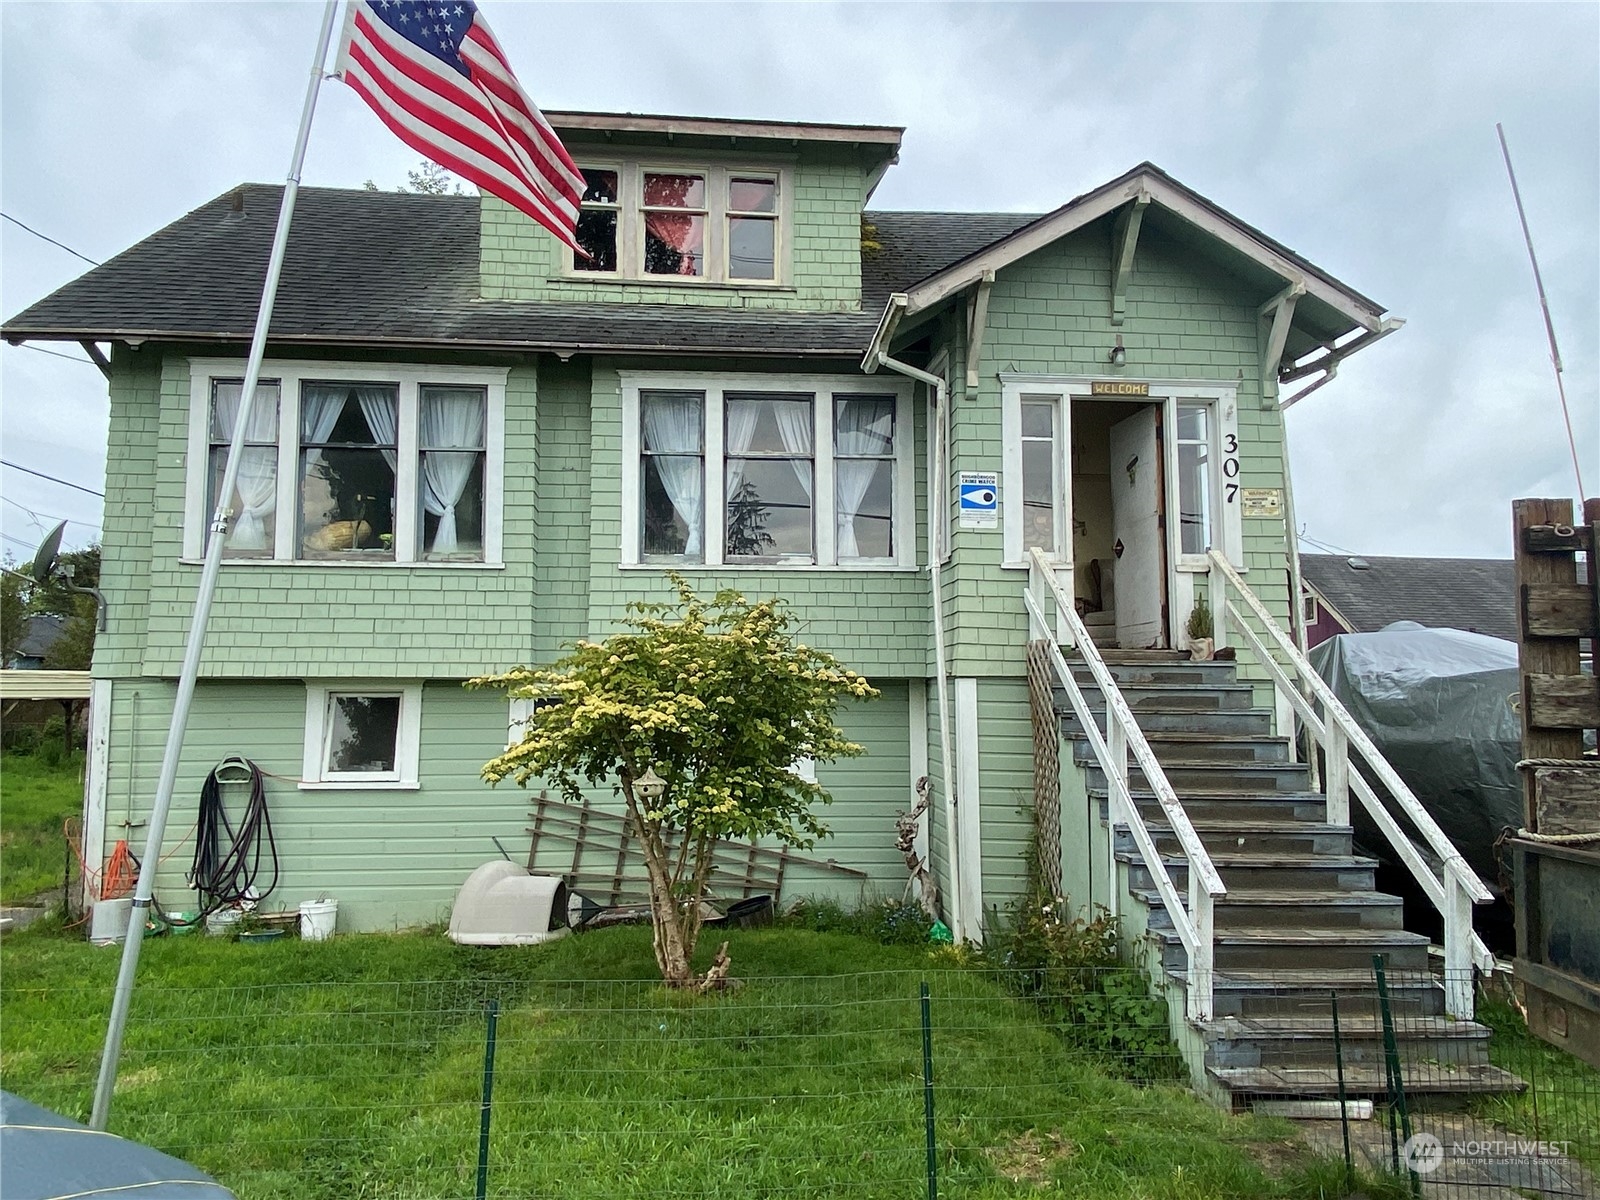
(598, 852)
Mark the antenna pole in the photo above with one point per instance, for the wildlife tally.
(1544, 306)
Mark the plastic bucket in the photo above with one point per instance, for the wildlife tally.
(223, 922)
(317, 919)
(108, 923)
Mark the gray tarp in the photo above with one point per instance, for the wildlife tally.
(45, 1156)
(1438, 704)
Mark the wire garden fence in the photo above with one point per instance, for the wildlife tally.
(959, 1082)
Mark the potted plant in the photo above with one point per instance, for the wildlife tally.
(1200, 631)
(252, 928)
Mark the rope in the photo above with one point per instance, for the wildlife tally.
(229, 879)
(1557, 839)
(1529, 764)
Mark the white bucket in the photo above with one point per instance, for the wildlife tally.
(223, 922)
(108, 924)
(317, 918)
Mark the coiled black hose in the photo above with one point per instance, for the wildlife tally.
(232, 877)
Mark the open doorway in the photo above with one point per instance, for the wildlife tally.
(1118, 513)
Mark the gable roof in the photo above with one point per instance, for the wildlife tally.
(1474, 594)
(376, 268)
(1327, 309)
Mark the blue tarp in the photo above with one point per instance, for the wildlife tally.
(45, 1156)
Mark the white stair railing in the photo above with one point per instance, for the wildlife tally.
(1454, 888)
(1194, 923)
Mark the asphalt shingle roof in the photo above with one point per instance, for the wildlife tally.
(387, 267)
(1474, 594)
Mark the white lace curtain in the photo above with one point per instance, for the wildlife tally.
(672, 435)
(257, 484)
(861, 427)
(452, 428)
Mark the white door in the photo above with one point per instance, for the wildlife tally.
(1136, 531)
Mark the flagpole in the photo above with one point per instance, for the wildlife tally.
(202, 602)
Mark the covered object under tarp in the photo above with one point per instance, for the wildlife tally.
(1438, 704)
(45, 1156)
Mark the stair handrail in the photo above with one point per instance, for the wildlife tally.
(1338, 734)
(1195, 924)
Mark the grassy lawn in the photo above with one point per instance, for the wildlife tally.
(1562, 1102)
(36, 800)
(353, 1068)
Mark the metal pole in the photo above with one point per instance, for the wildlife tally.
(487, 1104)
(202, 603)
(1344, 1103)
(1544, 307)
(927, 1094)
(1391, 1054)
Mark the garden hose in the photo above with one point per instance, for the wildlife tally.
(233, 877)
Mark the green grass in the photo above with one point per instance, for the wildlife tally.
(34, 801)
(1562, 1102)
(353, 1068)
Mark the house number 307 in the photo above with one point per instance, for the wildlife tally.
(1230, 465)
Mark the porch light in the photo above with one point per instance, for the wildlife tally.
(649, 786)
(1118, 354)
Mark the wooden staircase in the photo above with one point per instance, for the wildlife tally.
(1301, 919)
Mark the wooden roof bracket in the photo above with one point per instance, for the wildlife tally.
(1273, 320)
(1124, 242)
(96, 357)
(977, 322)
(1329, 362)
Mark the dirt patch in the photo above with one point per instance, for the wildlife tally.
(1280, 1156)
(1029, 1157)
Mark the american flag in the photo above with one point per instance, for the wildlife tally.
(437, 78)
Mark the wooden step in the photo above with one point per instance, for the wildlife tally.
(1248, 836)
(1187, 747)
(1153, 719)
(1239, 806)
(1341, 872)
(1294, 906)
(1267, 947)
(1308, 991)
(1421, 1079)
(1162, 670)
(1308, 1041)
(1202, 779)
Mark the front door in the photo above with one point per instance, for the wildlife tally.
(1136, 530)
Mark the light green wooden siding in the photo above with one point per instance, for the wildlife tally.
(276, 621)
(1005, 789)
(1049, 314)
(389, 857)
(876, 622)
(558, 614)
(519, 260)
(398, 857)
(131, 468)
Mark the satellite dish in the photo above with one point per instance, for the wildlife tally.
(44, 561)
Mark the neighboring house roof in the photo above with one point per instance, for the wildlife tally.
(39, 634)
(1474, 594)
(387, 267)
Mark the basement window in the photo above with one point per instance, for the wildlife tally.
(362, 736)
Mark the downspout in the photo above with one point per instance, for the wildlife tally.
(939, 391)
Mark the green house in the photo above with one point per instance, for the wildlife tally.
(476, 448)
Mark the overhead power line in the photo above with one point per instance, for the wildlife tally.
(42, 237)
(39, 518)
(51, 478)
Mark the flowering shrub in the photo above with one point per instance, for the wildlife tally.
(719, 701)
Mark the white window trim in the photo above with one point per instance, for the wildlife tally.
(518, 710)
(1223, 400)
(290, 374)
(630, 224)
(823, 388)
(408, 738)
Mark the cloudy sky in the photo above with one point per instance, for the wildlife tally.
(1361, 135)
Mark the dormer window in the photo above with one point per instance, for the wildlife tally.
(643, 221)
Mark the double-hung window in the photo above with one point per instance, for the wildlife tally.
(693, 223)
(352, 464)
(767, 471)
